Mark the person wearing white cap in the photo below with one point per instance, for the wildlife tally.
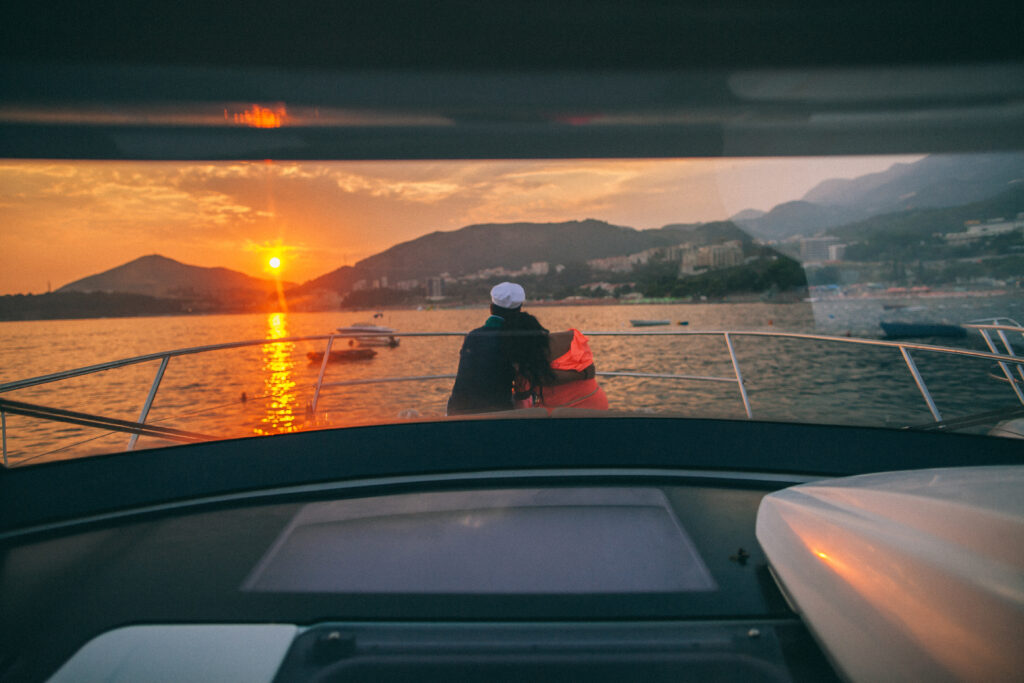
(484, 381)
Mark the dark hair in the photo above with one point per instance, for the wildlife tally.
(505, 313)
(526, 346)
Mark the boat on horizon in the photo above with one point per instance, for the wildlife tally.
(649, 323)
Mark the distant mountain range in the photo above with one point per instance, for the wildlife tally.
(931, 183)
(159, 276)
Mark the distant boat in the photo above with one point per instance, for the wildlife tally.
(684, 322)
(344, 356)
(367, 334)
(903, 330)
(649, 323)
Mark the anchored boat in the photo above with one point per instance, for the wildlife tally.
(343, 356)
(368, 334)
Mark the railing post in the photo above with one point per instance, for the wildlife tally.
(739, 376)
(3, 428)
(1009, 352)
(320, 378)
(1002, 366)
(920, 383)
(149, 400)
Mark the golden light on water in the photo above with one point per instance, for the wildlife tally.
(278, 381)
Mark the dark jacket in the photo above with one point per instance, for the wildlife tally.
(485, 377)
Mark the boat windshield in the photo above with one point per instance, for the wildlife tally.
(149, 303)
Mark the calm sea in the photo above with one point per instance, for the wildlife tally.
(785, 380)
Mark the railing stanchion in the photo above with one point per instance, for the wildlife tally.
(920, 383)
(739, 376)
(149, 400)
(320, 378)
(1009, 352)
(3, 428)
(1002, 366)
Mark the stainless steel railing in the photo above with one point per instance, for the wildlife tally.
(1005, 358)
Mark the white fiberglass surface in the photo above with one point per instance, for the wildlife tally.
(915, 575)
(246, 653)
(600, 540)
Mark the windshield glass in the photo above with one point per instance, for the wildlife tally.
(701, 287)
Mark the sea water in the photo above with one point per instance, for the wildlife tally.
(268, 389)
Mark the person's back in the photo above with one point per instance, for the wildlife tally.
(485, 376)
(485, 379)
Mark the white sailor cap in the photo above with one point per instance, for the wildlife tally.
(508, 295)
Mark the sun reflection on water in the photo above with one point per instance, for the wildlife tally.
(278, 382)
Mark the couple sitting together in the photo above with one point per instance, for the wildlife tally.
(513, 362)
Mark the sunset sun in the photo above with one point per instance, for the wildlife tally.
(274, 262)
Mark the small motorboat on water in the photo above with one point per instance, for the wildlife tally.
(368, 334)
(344, 356)
(903, 330)
(649, 323)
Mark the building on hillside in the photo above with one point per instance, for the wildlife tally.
(678, 252)
(977, 230)
(435, 288)
(816, 248)
(724, 255)
(614, 264)
(710, 257)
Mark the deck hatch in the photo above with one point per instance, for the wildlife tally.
(551, 540)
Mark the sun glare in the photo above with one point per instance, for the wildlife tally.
(274, 262)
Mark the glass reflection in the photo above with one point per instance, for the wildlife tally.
(278, 382)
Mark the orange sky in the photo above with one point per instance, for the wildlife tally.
(62, 221)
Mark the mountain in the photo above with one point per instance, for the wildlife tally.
(748, 215)
(159, 276)
(513, 246)
(903, 229)
(701, 234)
(933, 182)
(509, 245)
(936, 181)
(799, 218)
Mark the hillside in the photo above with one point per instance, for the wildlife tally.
(159, 276)
(935, 182)
(892, 234)
(798, 218)
(509, 245)
(513, 246)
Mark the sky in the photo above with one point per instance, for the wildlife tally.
(61, 221)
